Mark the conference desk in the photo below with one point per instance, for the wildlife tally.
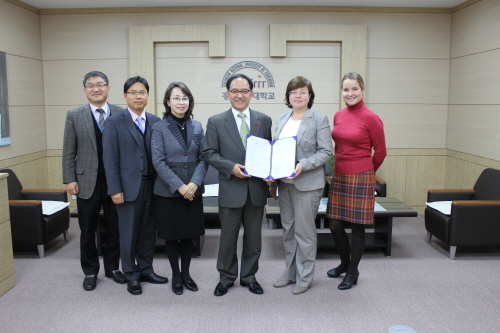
(381, 237)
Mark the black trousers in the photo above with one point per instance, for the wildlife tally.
(88, 219)
(137, 225)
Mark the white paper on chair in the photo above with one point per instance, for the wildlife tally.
(441, 206)
(51, 207)
(211, 190)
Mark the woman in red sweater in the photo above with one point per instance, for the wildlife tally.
(357, 132)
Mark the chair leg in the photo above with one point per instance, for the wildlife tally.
(41, 251)
(65, 235)
(429, 236)
(453, 250)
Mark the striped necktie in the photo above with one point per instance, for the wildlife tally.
(101, 118)
(244, 130)
(139, 123)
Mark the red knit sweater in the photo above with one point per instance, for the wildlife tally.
(356, 130)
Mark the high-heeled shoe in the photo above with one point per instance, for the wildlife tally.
(336, 272)
(349, 281)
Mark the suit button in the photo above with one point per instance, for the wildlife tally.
(185, 167)
(185, 154)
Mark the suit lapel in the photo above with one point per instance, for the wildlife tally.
(130, 126)
(306, 121)
(88, 121)
(232, 129)
(174, 130)
(281, 124)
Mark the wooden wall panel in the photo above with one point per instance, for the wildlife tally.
(25, 78)
(461, 174)
(28, 133)
(413, 125)
(20, 31)
(475, 29)
(423, 173)
(473, 129)
(69, 74)
(470, 74)
(393, 171)
(417, 81)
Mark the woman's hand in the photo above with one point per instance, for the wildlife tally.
(298, 171)
(188, 191)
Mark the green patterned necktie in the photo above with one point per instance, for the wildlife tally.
(244, 130)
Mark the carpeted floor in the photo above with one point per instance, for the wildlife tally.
(418, 287)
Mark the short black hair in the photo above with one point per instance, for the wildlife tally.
(186, 91)
(236, 76)
(133, 80)
(95, 73)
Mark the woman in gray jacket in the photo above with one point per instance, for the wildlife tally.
(176, 150)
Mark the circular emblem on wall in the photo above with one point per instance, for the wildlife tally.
(263, 81)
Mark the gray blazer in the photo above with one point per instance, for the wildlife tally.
(314, 148)
(123, 154)
(79, 157)
(177, 162)
(223, 149)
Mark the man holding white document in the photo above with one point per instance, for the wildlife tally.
(241, 197)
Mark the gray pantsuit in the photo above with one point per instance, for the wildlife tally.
(299, 201)
(298, 211)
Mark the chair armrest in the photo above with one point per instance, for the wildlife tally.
(26, 222)
(54, 195)
(380, 186)
(449, 195)
(328, 180)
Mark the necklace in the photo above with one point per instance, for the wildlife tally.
(181, 126)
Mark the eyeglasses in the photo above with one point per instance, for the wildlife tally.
(99, 85)
(236, 92)
(134, 93)
(301, 93)
(178, 99)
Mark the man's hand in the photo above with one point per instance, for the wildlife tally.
(238, 173)
(72, 188)
(272, 190)
(117, 198)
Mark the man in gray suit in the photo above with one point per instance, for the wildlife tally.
(130, 174)
(241, 198)
(84, 176)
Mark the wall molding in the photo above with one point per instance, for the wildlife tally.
(24, 5)
(142, 40)
(10, 162)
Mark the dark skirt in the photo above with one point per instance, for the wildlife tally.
(178, 218)
(352, 197)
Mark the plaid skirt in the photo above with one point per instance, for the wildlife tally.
(351, 197)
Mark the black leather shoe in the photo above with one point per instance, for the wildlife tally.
(221, 289)
(117, 276)
(336, 272)
(254, 287)
(153, 278)
(89, 282)
(134, 287)
(349, 281)
(190, 285)
(177, 288)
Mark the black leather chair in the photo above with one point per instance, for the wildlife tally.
(29, 226)
(475, 214)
